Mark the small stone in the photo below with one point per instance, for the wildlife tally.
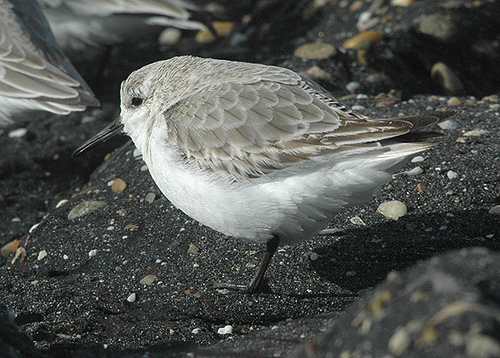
(65, 257)
(222, 28)
(418, 159)
(148, 280)
(494, 210)
(392, 209)
(482, 346)
(132, 298)
(225, 330)
(150, 197)
(7, 248)
(131, 227)
(440, 27)
(352, 86)
(420, 187)
(61, 203)
(402, 3)
(475, 133)
(491, 98)
(451, 174)
(92, 253)
(136, 153)
(85, 208)
(169, 36)
(446, 78)
(414, 172)
(354, 42)
(454, 101)
(41, 255)
(193, 249)
(399, 343)
(196, 331)
(33, 228)
(450, 124)
(17, 133)
(356, 220)
(118, 186)
(315, 51)
(316, 73)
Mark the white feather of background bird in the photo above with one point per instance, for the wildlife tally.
(34, 73)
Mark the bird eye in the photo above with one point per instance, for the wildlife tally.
(136, 101)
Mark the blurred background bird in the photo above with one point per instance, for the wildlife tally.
(34, 72)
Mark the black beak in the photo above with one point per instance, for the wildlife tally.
(110, 131)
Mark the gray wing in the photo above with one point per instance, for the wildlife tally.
(32, 65)
(253, 128)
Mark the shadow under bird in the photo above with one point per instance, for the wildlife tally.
(258, 152)
(34, 73)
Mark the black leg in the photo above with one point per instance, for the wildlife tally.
(254, 285)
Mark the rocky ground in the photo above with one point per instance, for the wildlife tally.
(132, 275)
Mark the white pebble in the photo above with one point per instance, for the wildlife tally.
(225, 330)
(452, 175)
(414, 172)
(418, 159)
(475, 133)
(392, 209)
(132, 298)
(18, 133)
(92, 253)
(65, 257)
(150, 197)
(356, 220)
(196, 331)
(61, 203)
(358, 108)
(136, 153)
(42, 254)
(16, 220)
(494, 210)
(352, 86)
(33, 228)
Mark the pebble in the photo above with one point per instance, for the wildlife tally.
(356, 220)
(399, 343)
(315, 51)
(17, 133)
(354, 42)
(193, 249)
(136, 153)
(392, 209)
(225, 330)
(7, 248)
(454, 101)
(446, 78)
(65, 257)
(196, 331)
(222, 28)
(451, 174)
(418, 159)
(85, 208)
(33, 228)
(148, 280)
(61, 203)
(450, 124)
(491, 98)
(352, 86)
(150, 197)
(132, 298)
(475, 133)
(440, 27)
(402, 3)
(495, 210)
(41, 255)
(414, 172)
(92, 253)
(316, 73)
(169, 37)
(118, 186)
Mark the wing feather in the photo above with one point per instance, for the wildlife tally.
(246, 129)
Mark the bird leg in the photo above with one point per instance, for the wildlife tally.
(256, 282)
